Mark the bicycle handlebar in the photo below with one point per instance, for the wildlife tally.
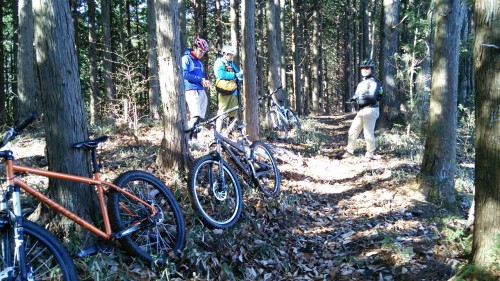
(211, 120)
(14, 131)
(271, 93)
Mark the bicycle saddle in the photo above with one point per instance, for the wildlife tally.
(91, 143)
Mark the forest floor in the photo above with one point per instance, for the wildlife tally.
(336, 219)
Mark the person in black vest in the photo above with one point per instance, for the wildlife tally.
(367, 96)
(225, 69)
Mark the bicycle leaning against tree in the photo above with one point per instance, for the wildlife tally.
(281, 119)
(140, 212)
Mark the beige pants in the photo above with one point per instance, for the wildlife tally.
(364, 120)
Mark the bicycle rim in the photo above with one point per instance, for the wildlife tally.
(215, 192)
(158, 235)
(45, 257)
(266, 173)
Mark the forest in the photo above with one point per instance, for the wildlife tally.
(113, 67)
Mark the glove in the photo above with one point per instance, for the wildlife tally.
(239, 75)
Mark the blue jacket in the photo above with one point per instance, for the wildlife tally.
(221, 72)
(192, 71)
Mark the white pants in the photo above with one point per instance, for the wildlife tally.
(197, 102)
(364, 120)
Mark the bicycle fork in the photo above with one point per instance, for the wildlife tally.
(16, 220)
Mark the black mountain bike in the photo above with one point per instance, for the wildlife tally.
(213, 184)
(281, 119)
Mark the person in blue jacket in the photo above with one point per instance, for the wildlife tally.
(195, 82)
(225, 69)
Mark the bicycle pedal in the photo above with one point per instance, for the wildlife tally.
(92, 250)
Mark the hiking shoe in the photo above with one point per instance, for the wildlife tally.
(369, 156)
(346, 154)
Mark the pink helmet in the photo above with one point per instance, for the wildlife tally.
(201, 43)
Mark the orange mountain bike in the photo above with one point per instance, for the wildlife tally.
(140, 212)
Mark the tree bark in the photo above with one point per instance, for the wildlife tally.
(3, 92)
(28, 97)
(390, 37)
(438, 164)
(107, 55)
(93, 76)
(153, 85)
(174, 153)
(64, 111)
(487, 177)
(250, 101)
(297, 55)
(273, 77)
(235, 27)
(316, 59)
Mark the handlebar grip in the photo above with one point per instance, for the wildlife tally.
(26, 122)
(277, 89)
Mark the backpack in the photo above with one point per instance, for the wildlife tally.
(226, 87)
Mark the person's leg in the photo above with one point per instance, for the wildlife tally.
(354, 130)
(369, 120)
(193, 99)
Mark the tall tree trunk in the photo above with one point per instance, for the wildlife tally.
(466, 58)
(107, 55)
(261, 5)
(438, 164)
(174, 153)
(306, 68)
(3, 88)
(283, 45)
(273, 52)
(153, 85)
(28, 97)
(486, 237)
(235, 27)
(15, 53)
(348, 84)
(251, 106)
(64, 110)
(94, 88)
(297, 55)
(390, 38)
(219, 25)
(316, 59)
(182, 24)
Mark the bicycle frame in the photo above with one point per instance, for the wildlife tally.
(280, 110)
(226, 144)
(12, 180)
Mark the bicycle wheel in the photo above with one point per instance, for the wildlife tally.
(266, 175)
(277, 125)
(150, 238)
(45, 257)
(293, 120)
(215, 192)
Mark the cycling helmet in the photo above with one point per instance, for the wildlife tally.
(367, 63)
(201, 43)
(226, 49)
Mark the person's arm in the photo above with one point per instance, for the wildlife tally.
(221, 73)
